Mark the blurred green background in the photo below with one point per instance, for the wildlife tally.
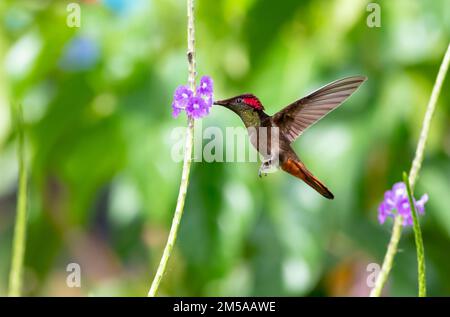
(103, 185)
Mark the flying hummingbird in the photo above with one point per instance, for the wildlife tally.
(273, 135)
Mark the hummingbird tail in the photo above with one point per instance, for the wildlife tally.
(299, 170)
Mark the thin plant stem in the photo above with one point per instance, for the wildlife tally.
(187, 159)
(415, 168)
(388, 258)
(19, 240)
(418, 239)
(418, 158)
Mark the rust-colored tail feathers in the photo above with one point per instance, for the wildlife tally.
(299, 170)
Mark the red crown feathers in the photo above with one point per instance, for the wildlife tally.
(253, 102)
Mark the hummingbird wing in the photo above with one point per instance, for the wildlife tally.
(303, 113)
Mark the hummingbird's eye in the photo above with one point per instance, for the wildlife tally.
(239, 100)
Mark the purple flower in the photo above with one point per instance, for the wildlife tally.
(208, 100)
(397, 199)
(180, 99)
(420, 205)
(197, 107)
(205, 90)
(175, 111)
(206, 86)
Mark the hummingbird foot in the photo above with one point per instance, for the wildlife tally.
(261, 173)
(266, 166)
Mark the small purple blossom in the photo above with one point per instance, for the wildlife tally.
(175, 110)
(180, 99)
(208, 100)
(195, 106)
(206, 86)
(397, 199)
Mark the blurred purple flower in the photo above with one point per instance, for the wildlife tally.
(195, 106)
(397, 199)
(208, 100)
(175, 111)
(206, 86)
(180, 99)
(81, 53)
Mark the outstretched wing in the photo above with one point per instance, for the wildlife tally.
(298, 116)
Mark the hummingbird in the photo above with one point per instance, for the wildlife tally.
(272, 136)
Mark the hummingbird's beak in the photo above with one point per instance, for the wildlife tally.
(224, 102)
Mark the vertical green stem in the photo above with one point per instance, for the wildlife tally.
(18, 249)
(388, 258)
(418, 158)
(415, 167)
(187, 159)
(418, 239)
